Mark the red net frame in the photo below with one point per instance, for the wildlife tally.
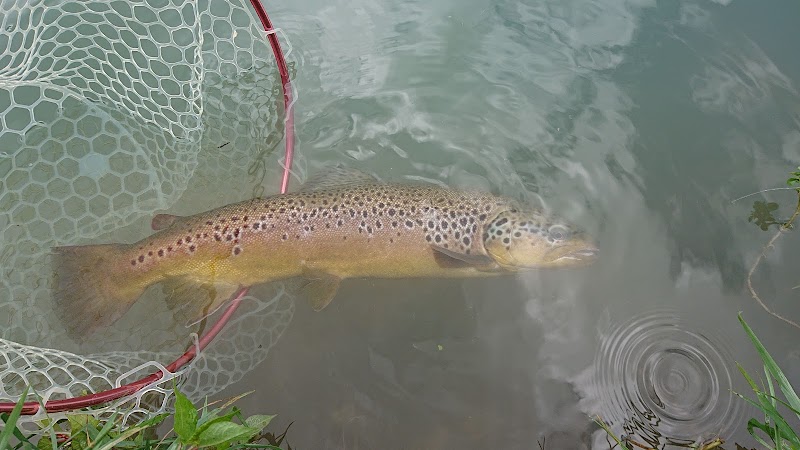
(75, 403)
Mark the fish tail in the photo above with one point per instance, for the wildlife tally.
(90, 288)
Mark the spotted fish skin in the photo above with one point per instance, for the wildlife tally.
(364, 230)
(324, 234)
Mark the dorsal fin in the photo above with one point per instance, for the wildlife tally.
(162, 221)
(336, 177)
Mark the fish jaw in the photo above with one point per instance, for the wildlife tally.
(518, 240)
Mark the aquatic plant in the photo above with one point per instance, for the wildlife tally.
(223, 427)
(762, 216)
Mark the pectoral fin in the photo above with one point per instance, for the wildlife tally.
(454, 260)
(320, 289)
(191, 301)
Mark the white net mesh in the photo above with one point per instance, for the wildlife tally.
(109, 112)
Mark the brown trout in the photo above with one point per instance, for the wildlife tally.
(341, 224)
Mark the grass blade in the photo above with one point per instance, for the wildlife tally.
(125, 435)
(11, 421)
(608, 431)
(782, 429)
(772, 367)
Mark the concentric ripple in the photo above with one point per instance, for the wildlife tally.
(664, 383)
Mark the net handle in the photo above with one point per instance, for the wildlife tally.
(54, 406)
(287, 89)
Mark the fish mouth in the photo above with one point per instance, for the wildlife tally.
(584, 254)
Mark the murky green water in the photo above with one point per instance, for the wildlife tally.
(643, 121)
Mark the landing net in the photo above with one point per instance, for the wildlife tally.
(111, 111)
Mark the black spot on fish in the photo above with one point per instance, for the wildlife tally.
(133, 262)
(237, 250)
(150, 253)
(285, 236)
(466, 240)
(444, 225)
(141, 258)
(438, 239)
(161, 252)
(256, 225)
(517, 234)
(506, 240)
(192, 248)
(180, 242)
(409, 224)
(169, 248)
(428, 238)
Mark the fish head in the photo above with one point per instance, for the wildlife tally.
(519, 239)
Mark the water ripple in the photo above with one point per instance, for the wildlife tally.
(662, 382)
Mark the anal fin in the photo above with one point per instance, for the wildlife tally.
(321, 289)
(192, 301)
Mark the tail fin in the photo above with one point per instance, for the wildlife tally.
(90, 289)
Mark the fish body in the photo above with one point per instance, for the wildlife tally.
(333, 229)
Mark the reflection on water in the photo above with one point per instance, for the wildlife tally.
(664, 383)
(640, 120)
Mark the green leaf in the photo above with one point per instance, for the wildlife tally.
(11, 421)
(762, 214)
(203, 425)
(259, 422)
(224, 432)
(772, 367)
(185, 418)
(45, 443)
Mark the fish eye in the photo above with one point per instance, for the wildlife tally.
(558, 232)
